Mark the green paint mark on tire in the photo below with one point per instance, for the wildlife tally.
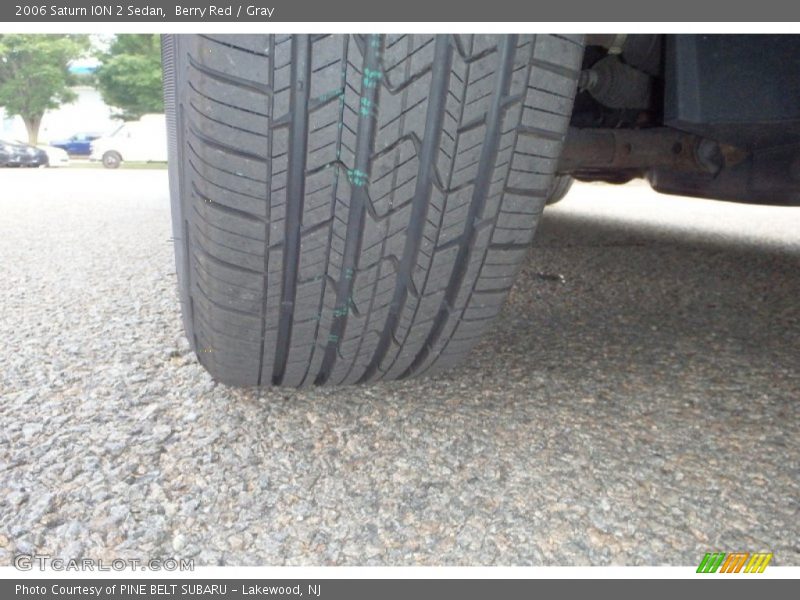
(356, 177)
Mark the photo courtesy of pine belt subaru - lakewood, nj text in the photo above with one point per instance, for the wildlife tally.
(354, 208)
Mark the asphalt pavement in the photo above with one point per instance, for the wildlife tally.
(635, 404)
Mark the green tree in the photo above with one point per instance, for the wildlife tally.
(129, 77)
(34, 74)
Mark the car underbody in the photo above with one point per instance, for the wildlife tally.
(713, 116)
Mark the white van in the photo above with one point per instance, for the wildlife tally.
(144, 140)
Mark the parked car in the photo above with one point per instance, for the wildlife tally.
(79, 144)
(20, 154)
(35, 156)
(144, 140)
(6, 155)
(56, 157)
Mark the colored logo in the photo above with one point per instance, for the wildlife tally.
(734, 562)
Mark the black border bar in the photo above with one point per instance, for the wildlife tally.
(199, 11)
(705, 586)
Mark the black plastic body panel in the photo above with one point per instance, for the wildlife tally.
(737, 89)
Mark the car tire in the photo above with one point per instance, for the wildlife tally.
(348, 209)
(112, 160)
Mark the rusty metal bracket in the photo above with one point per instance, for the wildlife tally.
(634, 151)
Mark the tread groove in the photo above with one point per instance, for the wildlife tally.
(327, 280)
(437, 106)
(295, 192)
(267, 220)
(359, 201)
(480, 192)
